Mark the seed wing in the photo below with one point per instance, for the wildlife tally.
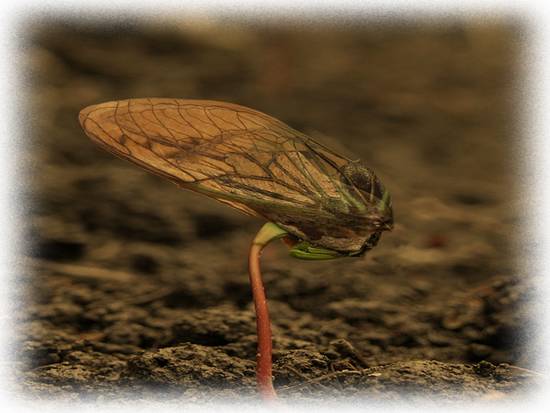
(234, 154)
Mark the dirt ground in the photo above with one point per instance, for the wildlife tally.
(132, 288)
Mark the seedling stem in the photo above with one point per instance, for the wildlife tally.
(267, 233)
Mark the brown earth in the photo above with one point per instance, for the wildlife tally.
(131, 286)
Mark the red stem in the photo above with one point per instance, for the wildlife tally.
(263, 325)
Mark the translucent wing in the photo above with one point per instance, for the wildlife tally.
(240, 157)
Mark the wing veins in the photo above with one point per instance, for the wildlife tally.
(304, 169)
(254, 190)
(226, 121)
(189, 123)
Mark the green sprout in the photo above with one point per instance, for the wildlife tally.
(323, 205)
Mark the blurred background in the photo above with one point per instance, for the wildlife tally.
(124, 267)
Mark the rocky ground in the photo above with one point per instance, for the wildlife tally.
(132, 286)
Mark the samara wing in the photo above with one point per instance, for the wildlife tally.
(248, 160)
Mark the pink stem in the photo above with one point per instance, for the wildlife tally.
(263, 326)
(267, 233)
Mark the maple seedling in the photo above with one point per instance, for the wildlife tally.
(322, 204)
